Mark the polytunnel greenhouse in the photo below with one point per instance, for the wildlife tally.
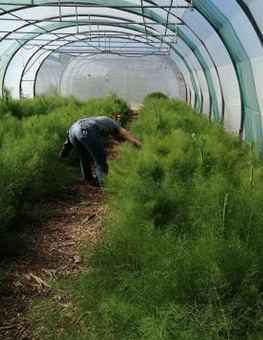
(131, 170)
(207, 53)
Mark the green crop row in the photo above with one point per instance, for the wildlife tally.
(181, 257)
(31, 135)
(43, 105)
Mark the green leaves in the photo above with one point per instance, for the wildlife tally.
(181, 249)
(182, 252)
(31, 134)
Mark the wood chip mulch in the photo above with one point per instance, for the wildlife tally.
(51, 248)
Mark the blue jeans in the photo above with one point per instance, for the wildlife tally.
(89, 145)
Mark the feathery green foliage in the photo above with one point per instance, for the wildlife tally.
(181, 255)
(155, 95)
(31, 135)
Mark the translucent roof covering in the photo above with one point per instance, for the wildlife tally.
(95, 76)
(212, 51)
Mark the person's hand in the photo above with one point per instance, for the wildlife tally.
(138, 144)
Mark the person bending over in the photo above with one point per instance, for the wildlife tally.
(86, 136)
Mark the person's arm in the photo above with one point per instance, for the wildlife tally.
(129, 137)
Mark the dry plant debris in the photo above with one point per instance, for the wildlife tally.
(52, 248)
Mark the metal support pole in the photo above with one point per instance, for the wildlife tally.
(59, 9)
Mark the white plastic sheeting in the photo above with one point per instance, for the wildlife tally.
(97, 76)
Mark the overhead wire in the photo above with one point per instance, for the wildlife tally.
(143, 18)
(31, 22)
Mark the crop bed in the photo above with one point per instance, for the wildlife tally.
(181, 252)
(31, 135)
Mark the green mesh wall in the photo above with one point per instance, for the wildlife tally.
(250, 106)
(198, 100)
(212, 92)
(215, 112)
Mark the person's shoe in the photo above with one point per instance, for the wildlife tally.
(93, 182)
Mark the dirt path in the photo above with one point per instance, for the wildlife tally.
(52, 248)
